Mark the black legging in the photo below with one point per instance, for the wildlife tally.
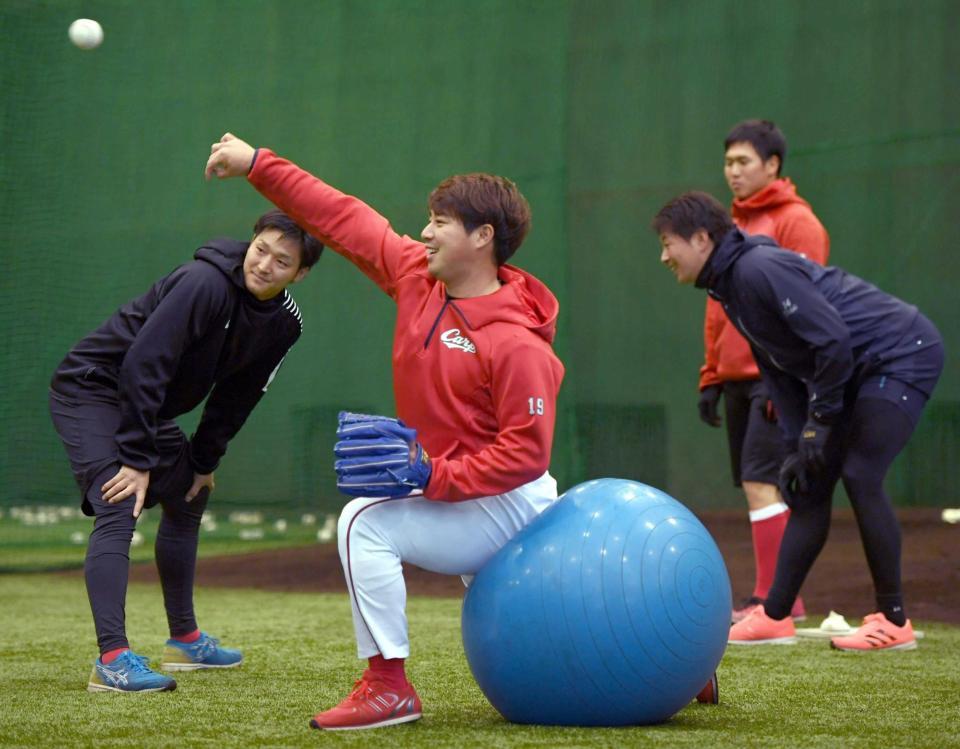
(108, 556)
(865, 448)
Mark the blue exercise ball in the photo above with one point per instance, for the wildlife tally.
(610, 609)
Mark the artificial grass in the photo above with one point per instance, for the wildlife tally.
(300, 658)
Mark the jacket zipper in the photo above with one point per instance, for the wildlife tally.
(754, 341)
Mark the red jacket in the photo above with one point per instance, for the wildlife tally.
(778, 212)
(476, 377)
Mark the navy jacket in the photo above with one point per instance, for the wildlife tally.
(158, 356)
(814, 331)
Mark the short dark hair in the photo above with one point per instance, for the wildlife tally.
(690, 212)
(310, 246)
(763, 135)
(478, 199)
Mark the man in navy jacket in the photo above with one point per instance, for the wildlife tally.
(220, 325)
(849, 369)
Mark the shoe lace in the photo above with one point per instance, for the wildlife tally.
(361, 690)
(136, 663)
(205, 646)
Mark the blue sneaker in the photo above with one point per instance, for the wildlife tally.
(128, 672)
(204, 652)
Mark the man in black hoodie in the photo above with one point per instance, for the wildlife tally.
(220, 325)
(849, 369)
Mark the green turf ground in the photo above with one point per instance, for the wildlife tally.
(300, 658)
(55, 537)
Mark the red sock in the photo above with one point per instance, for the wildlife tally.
(767, 526)
(111, 655)
(390, 670)
(189, 637)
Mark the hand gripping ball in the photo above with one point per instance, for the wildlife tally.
(612, 608)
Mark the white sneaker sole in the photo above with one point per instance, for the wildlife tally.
(381, 724)
(772, 641)
(195, 666)
(903, 646)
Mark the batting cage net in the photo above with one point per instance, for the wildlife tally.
(599, 112)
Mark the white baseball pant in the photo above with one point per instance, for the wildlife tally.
(375, 535)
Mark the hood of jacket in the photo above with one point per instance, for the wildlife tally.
(226, 255)
(521, 300)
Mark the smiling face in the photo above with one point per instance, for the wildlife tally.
(685, 258)
(746, 172)
(453, 253)
(271, 264)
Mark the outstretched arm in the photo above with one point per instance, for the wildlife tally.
(342, 222)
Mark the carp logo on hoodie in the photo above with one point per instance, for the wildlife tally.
(453, 339)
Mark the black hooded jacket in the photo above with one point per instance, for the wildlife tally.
(197, 329)
(813, 330)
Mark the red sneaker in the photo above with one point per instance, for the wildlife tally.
(710, 694)
(371, 704)
(877, 633)
(760, 629)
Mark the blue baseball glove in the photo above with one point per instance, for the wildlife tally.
(378, 457)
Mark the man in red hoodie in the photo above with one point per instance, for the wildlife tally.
(475, 378)
(763, 203)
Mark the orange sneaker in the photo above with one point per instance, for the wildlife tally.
(371, 704)
(798, 613)
(759, 629)
(877, 633)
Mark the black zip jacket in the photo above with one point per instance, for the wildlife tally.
(813, 330)
(158, 356)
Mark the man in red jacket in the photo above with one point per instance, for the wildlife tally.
(763, 203)
(475, 379)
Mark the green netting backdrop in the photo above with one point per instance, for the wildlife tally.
(601, 111)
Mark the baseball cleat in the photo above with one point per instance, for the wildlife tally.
(128, 672)
(710, 694)
(371, 704)
(877, 633)
(798, 613)
(760, 629)
(204, 652)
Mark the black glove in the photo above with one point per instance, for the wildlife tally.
(813, 440)
(793, 481)
(709, 398)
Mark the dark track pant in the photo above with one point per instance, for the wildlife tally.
(87, 431)
(863, 450)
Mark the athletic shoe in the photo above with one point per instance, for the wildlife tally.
(371, 704)
(710, 694)
(877, 633)
(760, 629)
(128, 672)
(204, 652)
(798, 613)
(746, 608)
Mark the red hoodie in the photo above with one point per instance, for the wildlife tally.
(778, 212)
(476, 377)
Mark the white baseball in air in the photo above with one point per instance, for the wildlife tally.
(86, 33)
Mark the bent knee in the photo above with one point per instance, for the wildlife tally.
(860, 478)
